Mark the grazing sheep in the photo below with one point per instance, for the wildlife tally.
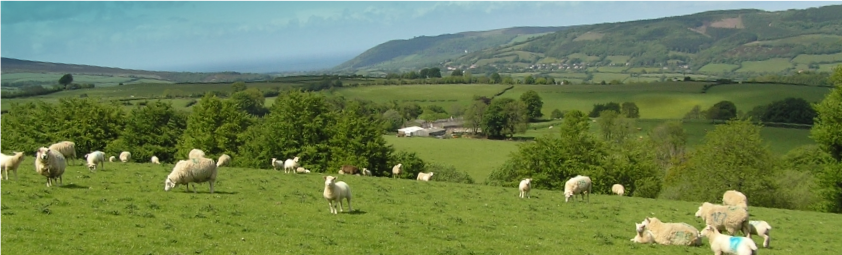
(720, 243)
(290, 165)
(396, 170)
(125, 156)
(50, 164)
(277, 164)
(734, 198)
(302, 170)
(643, 235)
(425, 176)
(672, 233)
(197, 170)
(224, 160)
(349, 169)
(618, 189)
(335, 192)
(578, 185)
(524, 187)
(95, 158)
(66, 148)
(196, 153)
(729, 218)
(366, 172)
(155, 160)
(762, 228)
(112, 158)
(10, 162)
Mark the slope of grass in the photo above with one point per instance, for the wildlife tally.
(456, 152)
(258, 211)
(718, 68)
(825, 58)
(771, 65)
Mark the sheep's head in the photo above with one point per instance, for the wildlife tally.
(91, 166)
(168, 185)
(329, 181)
(699, 212)
(708, 230)
(638, 227)
(43, 153)
(295, 159)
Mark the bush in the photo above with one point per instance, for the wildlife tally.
(647, 187)
(448, 174)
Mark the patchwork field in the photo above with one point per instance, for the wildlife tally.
(718, 68)
(771, 65)
(99, 81)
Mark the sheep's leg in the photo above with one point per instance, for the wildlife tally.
(349, 205)
(61, 181)
(211, 187)
(6, 171)
(766, 239)
(339, 200)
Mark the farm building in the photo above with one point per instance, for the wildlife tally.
(430, 132)
(410, 131)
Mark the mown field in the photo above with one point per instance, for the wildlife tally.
(124, 209)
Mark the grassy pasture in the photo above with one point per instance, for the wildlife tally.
(608, 77)
(444, 95)
(828, 67)
(718, 68)
(825, 58)
(256, 211)
(612, 69)
(771, 65)
(618, 59)
(583, 56)
(100, 81)
(641, 69)
(457, 152)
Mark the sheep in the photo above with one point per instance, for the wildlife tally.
(277, 163)
(290, 165)
(95, 158)
(578, 185)
(196, 153)
(224, 160)
(50, 164)
(396, 170)
(524, 187)
(730, 218)
(335, 192)
(618, 189)
(112, 158)
(125, 156)
(10, 162)
(302, 170)
(349, 169)
(66, 148)
(672, 233)
(762, 228)
(425, 176)
(720, 243)
(643, 235)
(197, 170)
(734, 198)
(366, 172)
(155, 160)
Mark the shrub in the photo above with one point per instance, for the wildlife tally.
(448, 174)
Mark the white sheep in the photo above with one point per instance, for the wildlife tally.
(290, 165)
(524, 187)
(155, 160)
(95, 158)
(66, 148)
(672, 233)
(720, 243)
(396, 170)
(366, 172)
(643, 235)
(125, 156)
(196, 153)
(729, 218)
(224, 160)
(302, 170)
(425, 176)
(112, 159)
(10, 162)
(335, 192)
(734, 198)
(578, 185)
(50, 164)
(618, 189)
(277, 164)
(197, 170)
(762, 228)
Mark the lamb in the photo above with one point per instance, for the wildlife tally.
(302, 170)
(196, 153)
(578, 185)
(643, 235)
(125, 156)
(112, 158)
(277, 163)
(720, 243)
(734, 198)
(672, 233)
(524, 187)
(366, 172)
(290, 165)
(155, 160)
(95, 158)
(618, 189)
(224, 160)
(335, 192)
(730, 218)
(396, 170)
(50, 164)
(66, 148)
(197, 170)
(425, 176)
(10, 162)
(762, 228)
(349, 169)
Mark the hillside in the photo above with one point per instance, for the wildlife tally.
(434, 50)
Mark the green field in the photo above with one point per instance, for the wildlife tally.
(99, 81)
(611, 69)
(771, 65)
(828, 67)
(618, 59)
(718, 68)
(608, 77)
(455, 152)
(826, 58)
(444, 95)
(255, 211)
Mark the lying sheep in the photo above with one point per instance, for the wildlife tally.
(197, 170)
(672, 233)
(396, 170)
(95, 158)
(155, 160)
(618, 189)
(643, 235)
(335, 192)
(366, 172)
(762, 228)
(720, 243)
(125, 156)
(196, 153)
(224, 160)
(50, 164)
(66, 148)
(302, 170)
(290, 165)
(524, 187)
(277, 164)
(10, 162)
(112, 159)
(578, 185)
(425, 176)
(734, 198)
(349, 169)
(730, 218)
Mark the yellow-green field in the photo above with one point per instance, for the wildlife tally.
(718, 68)
(771, 65)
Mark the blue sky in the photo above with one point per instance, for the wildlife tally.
(284, 36)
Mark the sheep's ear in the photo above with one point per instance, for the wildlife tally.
(324, 177)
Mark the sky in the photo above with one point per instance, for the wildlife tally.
(273, 36)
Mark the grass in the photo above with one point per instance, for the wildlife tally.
(641, 69)
(444, 95)
(257, 211)
(583, 56)
(718, 68)
(612, 69)
(771, 65)
(828, 67)
(98, 80)
(455, 151)
(618, 59)
(608, 77)
(824, 58)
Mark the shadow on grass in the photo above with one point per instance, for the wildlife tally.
(358, 211)
(208, 192)
(73, 186)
